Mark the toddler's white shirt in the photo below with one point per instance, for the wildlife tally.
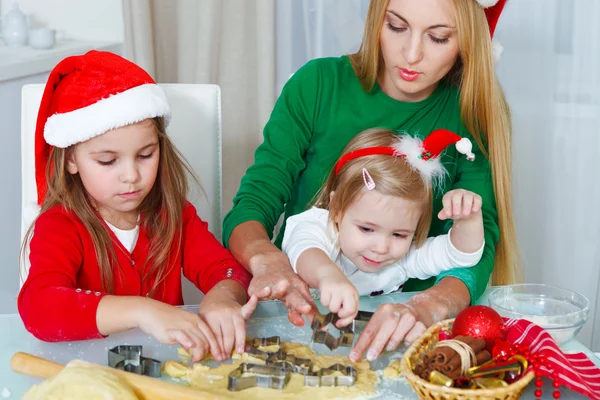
(311, 229)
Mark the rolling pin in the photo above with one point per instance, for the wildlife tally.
(145, 388)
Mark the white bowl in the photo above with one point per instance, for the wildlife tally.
(561, 312)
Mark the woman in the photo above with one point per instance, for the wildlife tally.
(422, 65)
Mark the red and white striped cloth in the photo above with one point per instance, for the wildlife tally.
(575, 371)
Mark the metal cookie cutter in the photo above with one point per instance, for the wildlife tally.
(282, 359)
(129, 358)
(262, 342)
(346, 337)
(267, 376)
(323, 376)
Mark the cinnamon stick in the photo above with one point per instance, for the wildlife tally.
(443, 355)
(481, 357)
(455, 362)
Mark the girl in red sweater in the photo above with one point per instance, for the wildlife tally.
(115, 229)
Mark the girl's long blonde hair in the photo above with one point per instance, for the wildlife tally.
(160, 212)
(484, 111)
(393, 176)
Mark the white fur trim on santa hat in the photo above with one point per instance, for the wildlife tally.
(122, 109)
(431, 169)
(487, 3)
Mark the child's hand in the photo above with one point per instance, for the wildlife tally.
(460, 204)
(340, 296)
(222, 311)
(171, 325)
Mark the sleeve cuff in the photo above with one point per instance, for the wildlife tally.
(464, 259)
(232, 272)
(235, 218)
(467, 277)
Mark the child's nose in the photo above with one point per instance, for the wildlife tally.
(130, 174)
(382, 246)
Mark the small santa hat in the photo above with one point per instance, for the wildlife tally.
(423, 155)
(88, 95)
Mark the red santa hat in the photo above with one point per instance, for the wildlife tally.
(493, 9)
(88, 95)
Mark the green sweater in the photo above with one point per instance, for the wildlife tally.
(320, 109)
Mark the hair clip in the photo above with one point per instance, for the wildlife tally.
(369, 182)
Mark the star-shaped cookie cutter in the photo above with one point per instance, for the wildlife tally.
(129, 358)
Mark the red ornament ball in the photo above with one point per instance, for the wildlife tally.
(480, 322)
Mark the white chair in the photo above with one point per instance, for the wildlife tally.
(195, 129)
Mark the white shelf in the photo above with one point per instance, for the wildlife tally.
(18, 62)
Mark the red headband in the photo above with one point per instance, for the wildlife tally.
(414, 151)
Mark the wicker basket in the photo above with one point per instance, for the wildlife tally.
(427, 390)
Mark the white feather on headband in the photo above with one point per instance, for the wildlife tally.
(487, 3)
(411, 149)
(427, 161)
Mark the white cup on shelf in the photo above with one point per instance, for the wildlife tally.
(43, 38)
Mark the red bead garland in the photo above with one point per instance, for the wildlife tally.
(503, 351)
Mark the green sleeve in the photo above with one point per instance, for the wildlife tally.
(268, 183)
(476, 176)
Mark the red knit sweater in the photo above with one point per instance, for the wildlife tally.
(61, 294)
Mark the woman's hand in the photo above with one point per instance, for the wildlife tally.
(388, 327)
(393, 323)
(172, 325)
(274, 278)
(222, 310)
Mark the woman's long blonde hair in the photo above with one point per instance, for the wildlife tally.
(484, 111)
(393, 176)
(160, 212)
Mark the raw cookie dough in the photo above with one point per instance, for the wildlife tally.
(78, 382)
(392, 370)
(214, 380)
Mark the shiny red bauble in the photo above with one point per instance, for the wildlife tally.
(480, 322)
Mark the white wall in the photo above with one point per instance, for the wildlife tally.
(99, 20)
(92, 23)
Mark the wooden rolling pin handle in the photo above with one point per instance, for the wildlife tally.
(27, 364)
(144, 387)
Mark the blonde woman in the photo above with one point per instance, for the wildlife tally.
(423, 65)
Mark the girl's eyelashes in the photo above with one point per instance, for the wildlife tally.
(142, 156)
(400, 235)
(365, 229)
(399, 29)
(105, 163)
